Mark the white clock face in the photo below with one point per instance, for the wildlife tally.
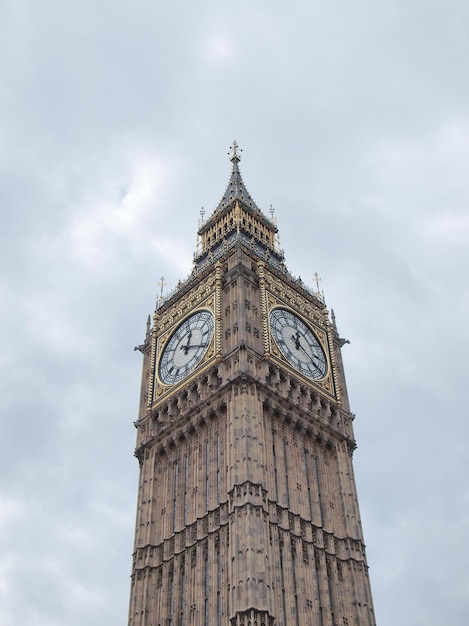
(298, 344)
(186, 347)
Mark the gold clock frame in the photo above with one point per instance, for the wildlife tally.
(207, 296)
(277, 294)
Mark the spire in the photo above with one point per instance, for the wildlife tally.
(236, 189)
(237, 220)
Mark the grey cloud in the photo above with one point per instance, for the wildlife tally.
(354, 125)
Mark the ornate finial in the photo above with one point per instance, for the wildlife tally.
(341, 340)
(272, 212)
(142, 346)
(202, 213)
(317, 281)
(235, 157)
(161, 285)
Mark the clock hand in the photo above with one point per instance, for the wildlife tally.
(195, 345)
(306, 352)
(299, 346)
(296, 339)
(312, 357)
(186, 348)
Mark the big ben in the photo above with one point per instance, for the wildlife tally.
(247, 508)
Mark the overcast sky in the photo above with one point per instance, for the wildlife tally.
(115, 122)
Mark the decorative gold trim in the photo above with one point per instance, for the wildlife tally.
(164, 320)
(235, 219)
(335, 372)
(218, 316)
(263, 299)
(151, 377)
(318, 333)
(187, 302)
(161, 389)
(290, 297)
(327, 383)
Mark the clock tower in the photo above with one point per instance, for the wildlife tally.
(247, 508)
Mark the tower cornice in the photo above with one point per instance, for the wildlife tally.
(170, 421)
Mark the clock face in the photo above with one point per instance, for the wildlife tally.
(298, 344)
(186, 347)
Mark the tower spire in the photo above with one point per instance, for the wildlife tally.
(237, 220)
(236, 189)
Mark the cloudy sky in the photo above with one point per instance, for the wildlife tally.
(115, 122)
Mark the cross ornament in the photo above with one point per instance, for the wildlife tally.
(317, 280)
(234, 148)
(161, 285)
